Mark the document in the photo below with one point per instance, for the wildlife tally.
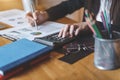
(14, 17)
(11, 13)
(22, 29)
(30, 33)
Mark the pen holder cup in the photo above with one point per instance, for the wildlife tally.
(107, 53)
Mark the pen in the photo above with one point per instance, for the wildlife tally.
(33, 10)
(103, 21)
(92, 25)
(89, 25)
(96, 29)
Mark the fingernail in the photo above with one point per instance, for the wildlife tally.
(63, 36)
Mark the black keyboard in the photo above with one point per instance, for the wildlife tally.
(53, 40)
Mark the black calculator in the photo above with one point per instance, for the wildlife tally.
(53, 40)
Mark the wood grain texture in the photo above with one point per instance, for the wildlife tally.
(10, 4)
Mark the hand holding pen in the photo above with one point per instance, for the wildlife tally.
(38, 16)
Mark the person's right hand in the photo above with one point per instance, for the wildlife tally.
(73, 29)
(38, 16)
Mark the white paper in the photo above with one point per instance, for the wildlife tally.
(16, 21)
(30, 33)
(11, 13)
(14, 17)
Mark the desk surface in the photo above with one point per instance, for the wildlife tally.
(54, 69)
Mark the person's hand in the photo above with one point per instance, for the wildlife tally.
(38, 16)
(72, 30)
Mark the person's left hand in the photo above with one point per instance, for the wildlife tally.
(72, 30)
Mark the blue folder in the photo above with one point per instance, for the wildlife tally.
(16, 53)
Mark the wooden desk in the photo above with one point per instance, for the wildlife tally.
(10, 4)
(54, 69)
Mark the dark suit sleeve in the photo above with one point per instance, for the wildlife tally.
(64, 8)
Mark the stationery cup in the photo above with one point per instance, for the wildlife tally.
(107, 53)
(27, 5)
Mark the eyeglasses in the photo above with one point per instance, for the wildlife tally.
(74, 48)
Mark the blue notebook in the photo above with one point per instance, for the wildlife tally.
(16, 53)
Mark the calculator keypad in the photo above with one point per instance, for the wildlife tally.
(54, 39)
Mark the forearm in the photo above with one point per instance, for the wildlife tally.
(64, 8)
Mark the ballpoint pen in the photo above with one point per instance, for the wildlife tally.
(34, 17)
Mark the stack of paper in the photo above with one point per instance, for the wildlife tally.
(14, 17)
